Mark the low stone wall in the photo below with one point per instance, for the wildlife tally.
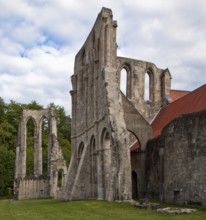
(32, 188)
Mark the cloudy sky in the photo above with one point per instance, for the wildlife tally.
(39, 39)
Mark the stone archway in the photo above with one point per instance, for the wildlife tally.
(38, 184)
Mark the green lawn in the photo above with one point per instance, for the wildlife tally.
(90, 210)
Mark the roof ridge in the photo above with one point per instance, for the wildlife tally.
(180, 90)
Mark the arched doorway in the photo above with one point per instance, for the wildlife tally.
(136, 165)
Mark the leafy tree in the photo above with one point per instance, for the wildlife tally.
(7, 167)
(33, 106)
(13, 112)
(9, 120)
(2, 109)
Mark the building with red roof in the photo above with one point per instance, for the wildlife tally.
(175, 163)
(176, 155)
(144, 141)
(176, 94)
(182, 103)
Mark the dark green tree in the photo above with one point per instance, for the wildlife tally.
(9, 120)
(7, 167)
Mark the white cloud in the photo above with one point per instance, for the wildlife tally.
(14, 65)
(39, 40)
(17, 9)
(7, 46)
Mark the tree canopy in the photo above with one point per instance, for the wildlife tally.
(9, 120)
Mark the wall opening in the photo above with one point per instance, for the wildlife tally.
(60, 178)
(80, 151)
(176, 195)
(106, 155)
(30, 131)
(45, 143)
(123, 81)
(134, 185)
(93, 168)
(135, 147)
(147, 87)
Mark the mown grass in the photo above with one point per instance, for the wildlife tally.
(83, 210)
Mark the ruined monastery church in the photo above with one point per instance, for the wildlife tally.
(126, 145)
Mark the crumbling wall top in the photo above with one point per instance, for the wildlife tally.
(104, 17)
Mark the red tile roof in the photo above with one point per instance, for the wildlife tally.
(176, 94)
(192, 102)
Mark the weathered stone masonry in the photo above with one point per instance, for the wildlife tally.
(38, 185)
(105, 122)
(176, 163)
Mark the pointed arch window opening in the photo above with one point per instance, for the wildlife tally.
(92, 146)
(93, 168)
(123, 81)
(147, 84)
(30, 149)
(80, 151)
(106, 158)
(45, 144)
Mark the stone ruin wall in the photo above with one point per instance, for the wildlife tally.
(105, 123)
(38, 185)
(96, 169)
(32, 188)
(104, 120)
(176, 162)
(159, 88)
(154, 168)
